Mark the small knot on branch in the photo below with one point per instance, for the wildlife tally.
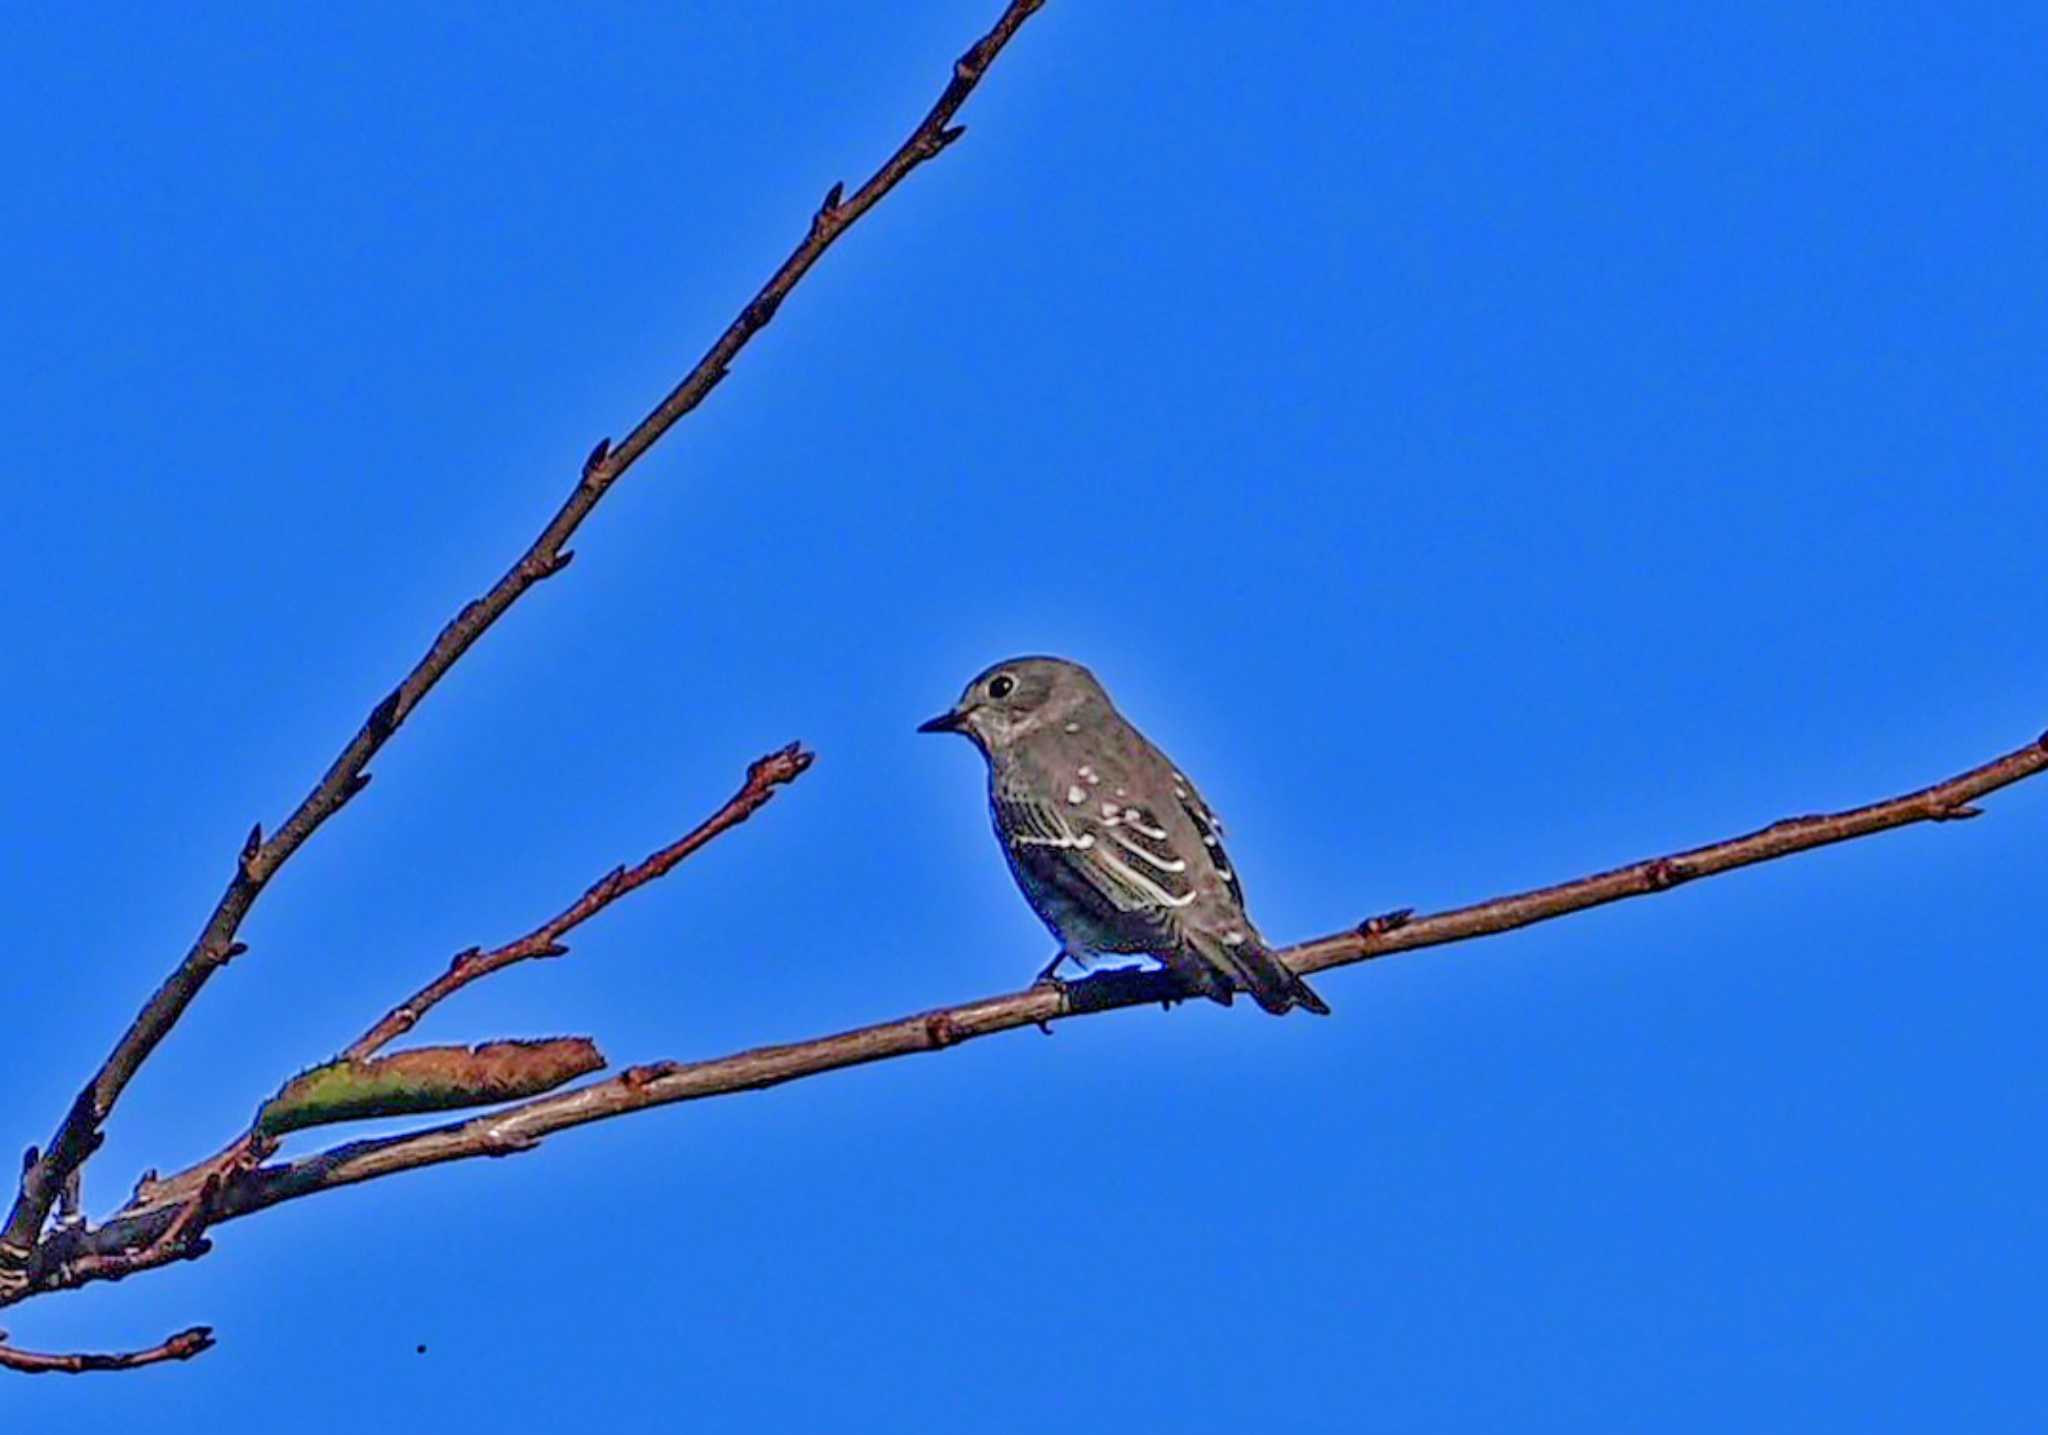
(350, 788)
(940, 1031)
(636, 1078)
(1664, 874)
(1385, 922)
(550, 567)
(827, 216)
(252, 847)
(1953, 812)
(230, 952)
(595, 460)
(930, 146)
(383, 717)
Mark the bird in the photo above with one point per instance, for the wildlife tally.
(1110, 843)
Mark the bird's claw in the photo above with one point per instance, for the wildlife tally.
(1048, 975)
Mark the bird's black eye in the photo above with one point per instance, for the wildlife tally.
(1001, 685)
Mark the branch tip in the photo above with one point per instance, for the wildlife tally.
(188, 1343)
(785, 764)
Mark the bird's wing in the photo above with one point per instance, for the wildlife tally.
(1209, 827)
(1117, 860)
(1207, 824)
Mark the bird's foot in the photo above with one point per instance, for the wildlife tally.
(1048, 975)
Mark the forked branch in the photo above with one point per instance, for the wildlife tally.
(764, 776)
(48, 1172)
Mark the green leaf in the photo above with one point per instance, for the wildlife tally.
(428, 1078)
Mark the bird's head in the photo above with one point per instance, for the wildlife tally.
(1010, 699)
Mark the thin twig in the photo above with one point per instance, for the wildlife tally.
(78, 1136)
(520, 1128)
(182, 1346)
(764, 775)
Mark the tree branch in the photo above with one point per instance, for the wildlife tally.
(520, 1128)
(182, 1346)
(764, 775)
(45, 1174)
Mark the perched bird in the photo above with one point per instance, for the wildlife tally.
(1114, 848)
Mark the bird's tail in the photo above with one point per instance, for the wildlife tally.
(1252, 965)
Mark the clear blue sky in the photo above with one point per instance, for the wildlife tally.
(1484, 444)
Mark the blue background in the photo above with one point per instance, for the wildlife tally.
(1484, 444)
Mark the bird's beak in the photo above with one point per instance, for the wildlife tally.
(944, 722)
